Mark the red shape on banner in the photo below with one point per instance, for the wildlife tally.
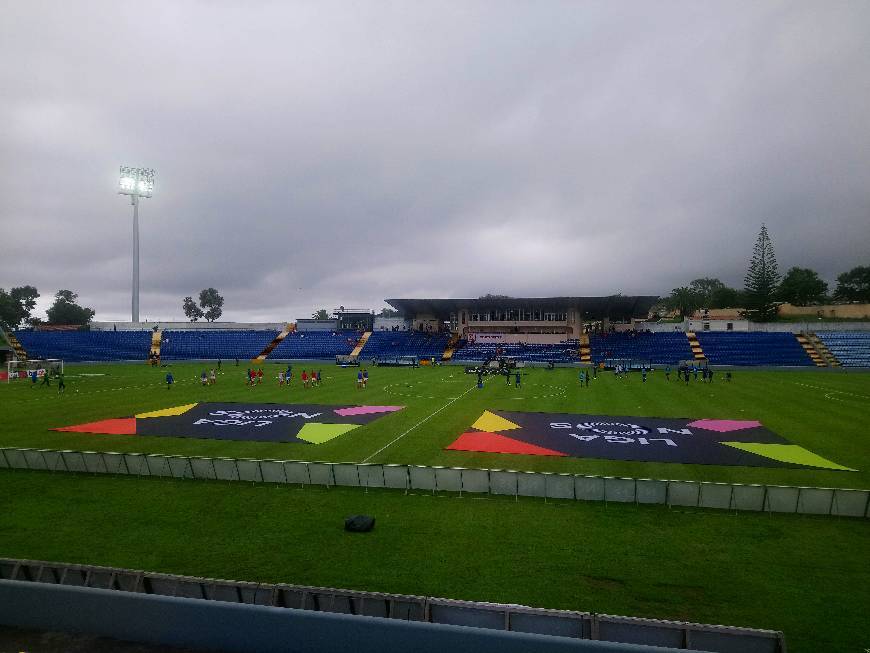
(486, 442)
(121, 426)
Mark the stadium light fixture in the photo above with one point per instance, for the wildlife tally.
(136, 182)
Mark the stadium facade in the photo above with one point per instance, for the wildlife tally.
(567, 317)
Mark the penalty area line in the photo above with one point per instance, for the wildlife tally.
(420, 423)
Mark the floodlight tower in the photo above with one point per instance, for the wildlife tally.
(136, 182)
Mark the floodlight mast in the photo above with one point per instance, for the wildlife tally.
(136, 182)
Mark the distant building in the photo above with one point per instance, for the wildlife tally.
(564, 316)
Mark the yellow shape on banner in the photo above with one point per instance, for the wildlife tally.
(167, 412)
(317, 433)
(493, 423)
(788, 453)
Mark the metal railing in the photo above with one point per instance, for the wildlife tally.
(838, 502)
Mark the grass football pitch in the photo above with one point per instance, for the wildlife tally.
(804, 575)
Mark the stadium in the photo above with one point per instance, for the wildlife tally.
(437, 326)
(463, 400)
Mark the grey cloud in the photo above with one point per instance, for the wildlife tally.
(316, 154)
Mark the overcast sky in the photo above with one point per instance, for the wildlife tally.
(313, 154)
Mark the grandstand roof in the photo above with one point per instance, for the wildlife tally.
(613, 307)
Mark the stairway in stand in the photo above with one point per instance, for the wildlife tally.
(361, 343)
(822, 349)
(154, 353)
(809, 347)
(289, 328)
(585, 351)
(451, 347)
(20, 353)
(697, 352)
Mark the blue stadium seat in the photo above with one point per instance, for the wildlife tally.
(202, 344)
(316, 345)
(656, 348)
(405, 343)
(563, 352)
(753, 348)
(851, 348)
(75, 346)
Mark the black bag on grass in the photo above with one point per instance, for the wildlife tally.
(359, 524)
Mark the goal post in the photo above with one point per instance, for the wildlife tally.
(18, 370)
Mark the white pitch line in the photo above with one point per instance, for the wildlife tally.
(421, 422)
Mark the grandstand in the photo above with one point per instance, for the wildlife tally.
(405, 343)
(725, 348)
(563, 352)
(851, 348)
(315, 344)
(655, 348)
(76, 346)
(201, 344)
(755, 348)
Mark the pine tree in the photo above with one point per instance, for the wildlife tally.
(762, 280)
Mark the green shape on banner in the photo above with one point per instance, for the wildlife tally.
(316, 433)
(788, 453)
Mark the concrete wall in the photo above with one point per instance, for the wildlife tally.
(188, 326)
(508, 338)
(388, 323)
(316, 325)
(746, 325)
(838, 502)
(236, 627)
(31, 581)
(860, 311)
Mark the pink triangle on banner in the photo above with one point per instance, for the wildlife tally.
(366, 410)
(724, 425)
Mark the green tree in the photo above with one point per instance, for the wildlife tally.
(685, 300)
(726, 297)
(705, 288)
(320, 314)
(801, 287)
(191, 310)
(854, 285)
(16, 305)
(66, 311)
(8, 310)
(762, 280)
(212, 302)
